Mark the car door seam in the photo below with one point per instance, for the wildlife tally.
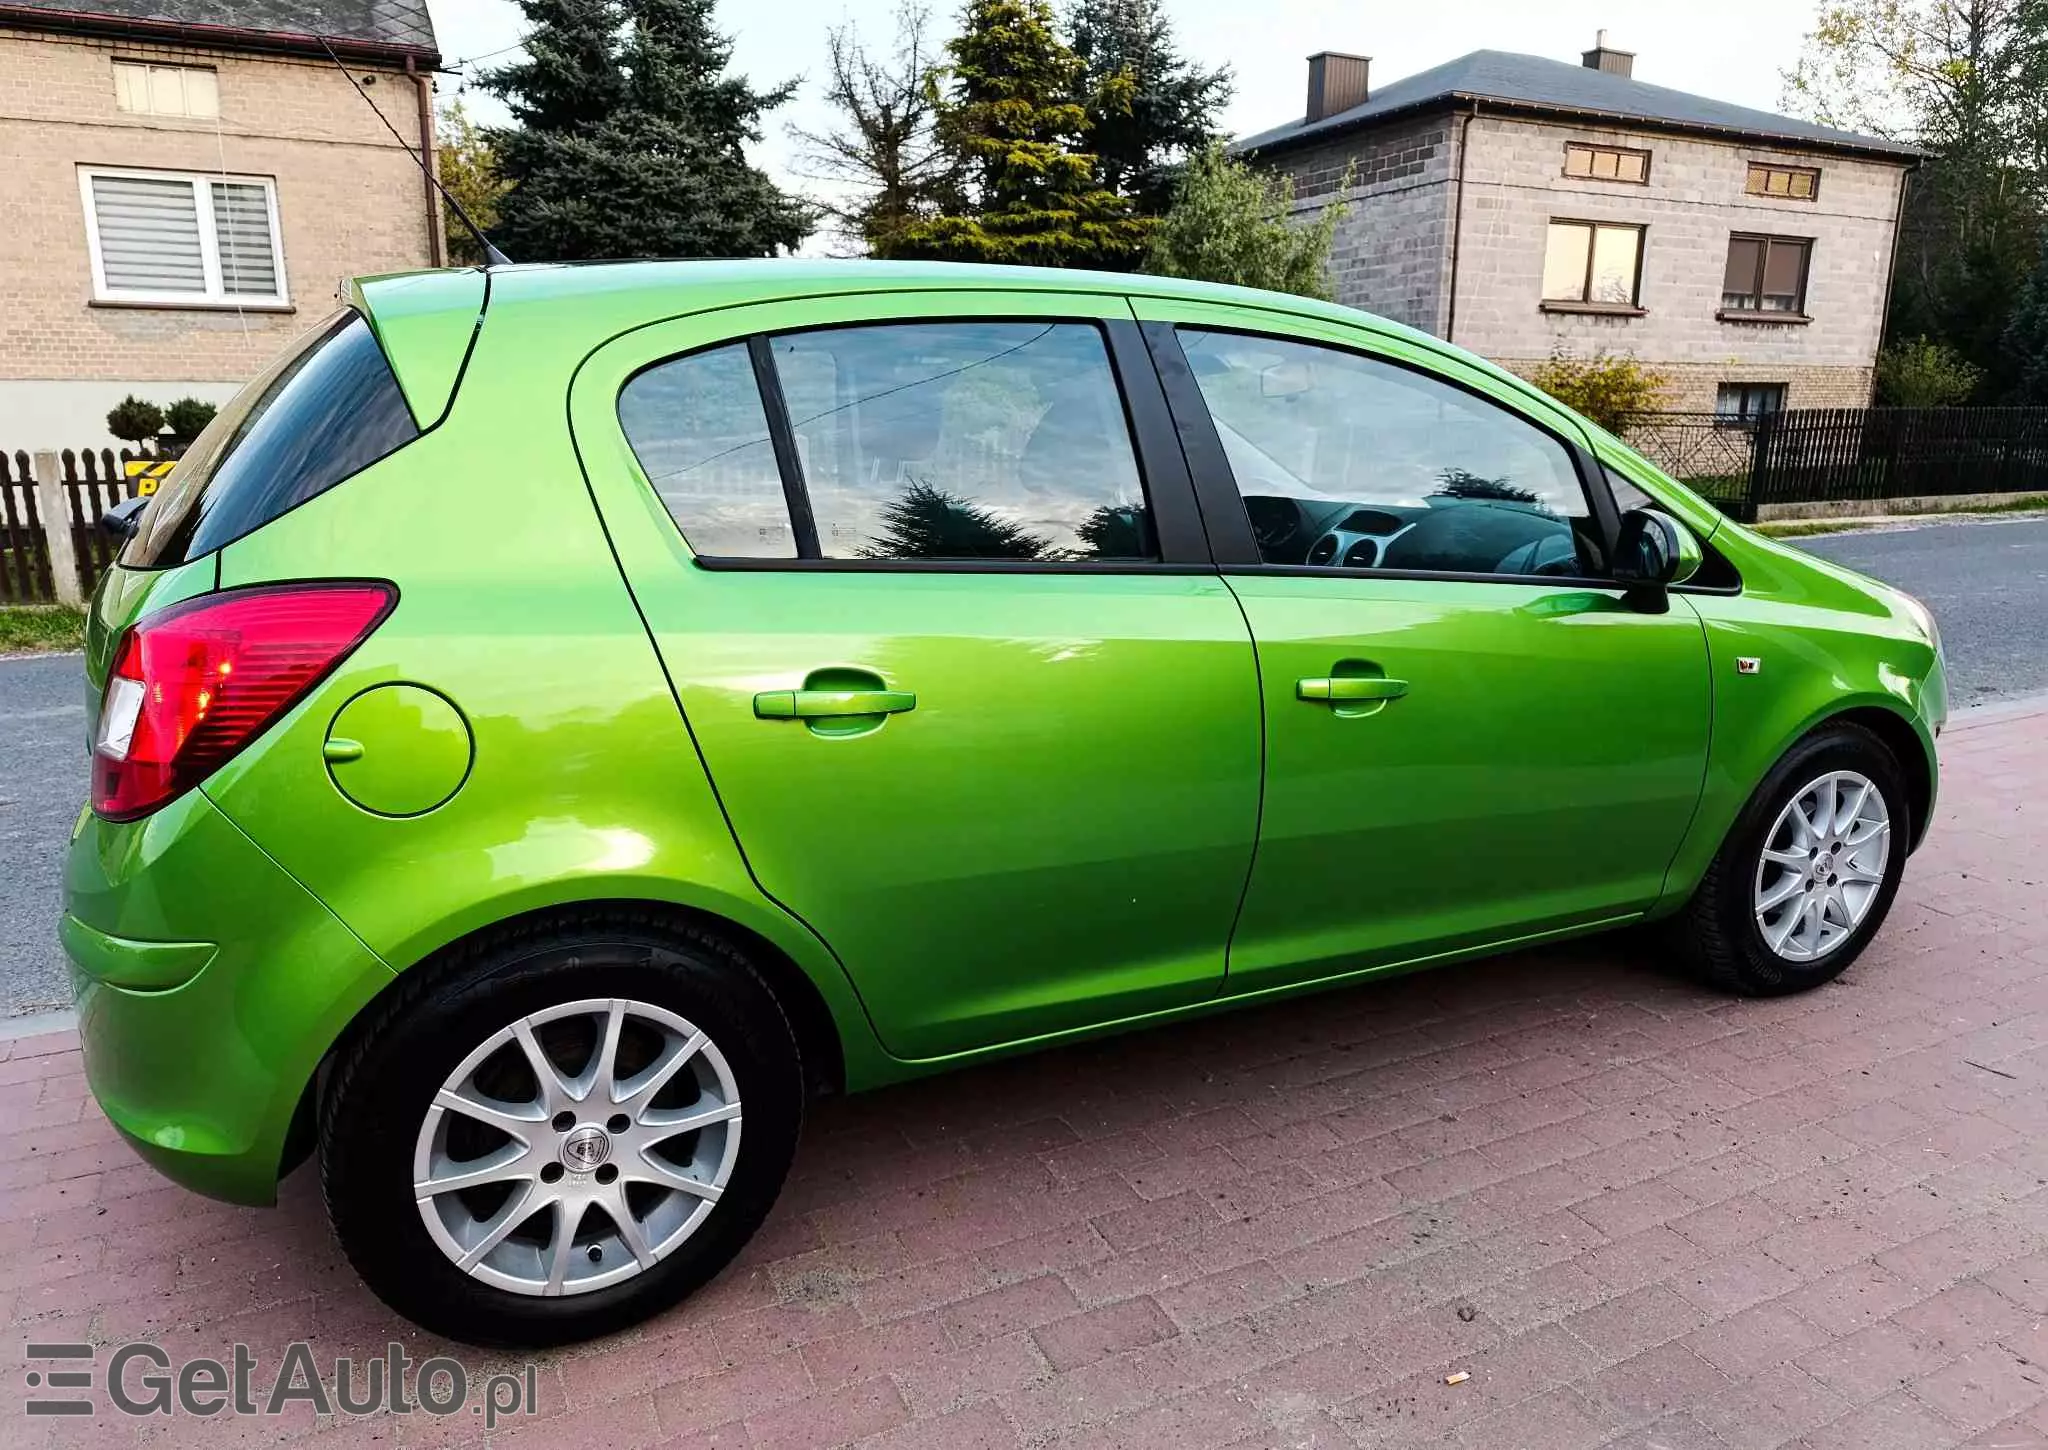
(1259, 808)
(689, 730)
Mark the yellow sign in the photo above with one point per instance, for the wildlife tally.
(150, 472)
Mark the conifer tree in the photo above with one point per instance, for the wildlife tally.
(1008, 113)
(1148, 107)
(631, 139)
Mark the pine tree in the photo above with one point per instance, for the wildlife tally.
(1149, 108)
(631, 139)
(1032, 194)
(927, 522)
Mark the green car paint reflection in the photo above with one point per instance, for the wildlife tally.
(944, 809)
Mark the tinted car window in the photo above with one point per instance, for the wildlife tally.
(1347, 461)
(324, 412)
(964, 440)
(699, 429)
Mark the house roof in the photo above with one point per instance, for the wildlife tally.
(359, 27)
(1534, 83)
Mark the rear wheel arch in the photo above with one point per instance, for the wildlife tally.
(810, 1017)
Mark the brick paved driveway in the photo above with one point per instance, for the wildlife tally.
(1636, 1214)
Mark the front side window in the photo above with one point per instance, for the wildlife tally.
(1766, 274)
(1347, 461)
(1593, 262)
(964, 440)
(146, 89)
(183, 239)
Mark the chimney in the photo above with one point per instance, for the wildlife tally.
(1336, 82)
(1615, 62)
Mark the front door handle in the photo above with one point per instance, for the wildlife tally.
(830, 704)
(1350, 687)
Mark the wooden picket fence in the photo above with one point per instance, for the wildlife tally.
(91, 482)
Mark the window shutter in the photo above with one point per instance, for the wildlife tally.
(149, 234)
(241, 222)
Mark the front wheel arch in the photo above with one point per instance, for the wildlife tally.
(1898, 736)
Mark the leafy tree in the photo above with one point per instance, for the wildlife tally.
(134, 421)
(2026, 339)
(1925, 374)
(632, 139)
(1609, 389)
(1229, 223)
(885, 150)
(930, 523)
(1964, 79)
(1148, 107)
(188, 417)
(467, 164)
(1031, 194)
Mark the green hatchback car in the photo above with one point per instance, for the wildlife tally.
(559, 719)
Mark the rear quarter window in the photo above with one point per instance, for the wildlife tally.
(324, 411)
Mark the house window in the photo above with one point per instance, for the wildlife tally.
(1747, 402)
(1606, 163)
(1593, 263)
(1766, 274)
(1799, 183)
(166, 90)
(182, 239)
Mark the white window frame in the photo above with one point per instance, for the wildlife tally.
(147, 66)
(215, 295)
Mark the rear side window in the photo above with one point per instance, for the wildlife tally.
(322, 413)
(699, 429)
(930, 440)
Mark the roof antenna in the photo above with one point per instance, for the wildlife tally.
(492, 256)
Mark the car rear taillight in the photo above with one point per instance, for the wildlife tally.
(194, 684)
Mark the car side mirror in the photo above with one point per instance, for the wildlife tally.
(121, 521)
(1653, 552)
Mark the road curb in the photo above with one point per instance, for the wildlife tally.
(1972, 716)
(38, 1024)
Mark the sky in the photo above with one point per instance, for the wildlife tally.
(1732, 50)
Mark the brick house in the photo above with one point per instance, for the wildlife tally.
(185, 183)
(1520, 206)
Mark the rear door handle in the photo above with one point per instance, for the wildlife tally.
(827, 704)
(1350, 687)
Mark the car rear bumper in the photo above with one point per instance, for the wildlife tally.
(210, 985)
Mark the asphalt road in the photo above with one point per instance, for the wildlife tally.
(1986, 582)
(42, 785)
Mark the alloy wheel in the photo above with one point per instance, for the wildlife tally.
(577, 1147)
(1823, 865)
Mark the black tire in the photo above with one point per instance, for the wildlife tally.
(440, 1011)
(1717, 933)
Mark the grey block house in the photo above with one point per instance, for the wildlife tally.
(1520, 206)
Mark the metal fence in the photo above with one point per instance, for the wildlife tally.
(1847, 455)
(1712, 455)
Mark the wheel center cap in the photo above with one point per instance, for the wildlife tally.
(585, 1149)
